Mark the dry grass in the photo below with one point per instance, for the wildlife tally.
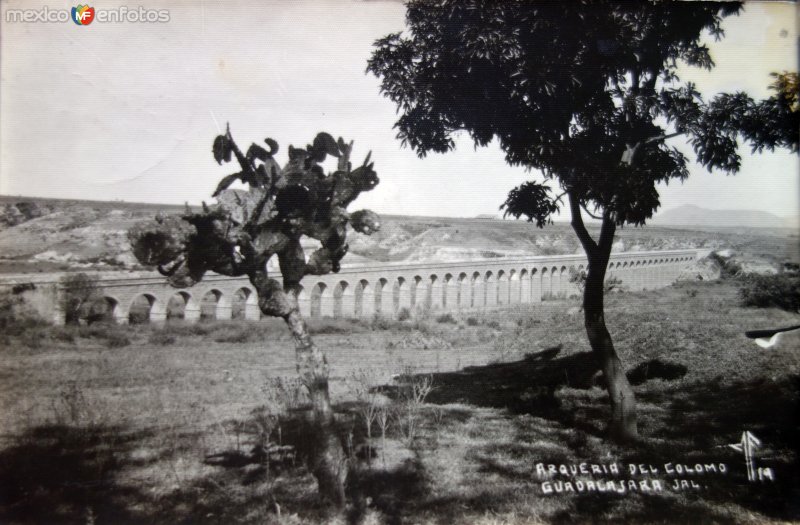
(164, 430)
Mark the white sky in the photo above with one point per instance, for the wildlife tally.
(127, 110)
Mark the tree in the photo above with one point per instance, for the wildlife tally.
(238, 235)
(587, 94)
(78, 292)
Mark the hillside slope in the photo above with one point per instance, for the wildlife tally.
(689, 215)
(40, 235)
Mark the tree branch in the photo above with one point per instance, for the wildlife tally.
(607, 231)
(662, 137)
(590, 214)
(589, 246)
(630, 151)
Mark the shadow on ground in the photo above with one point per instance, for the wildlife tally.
(680, 422)
(66, 474)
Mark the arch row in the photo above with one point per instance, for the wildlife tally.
(390, 294)
(191, 305)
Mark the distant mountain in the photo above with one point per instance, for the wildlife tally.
(689, 215)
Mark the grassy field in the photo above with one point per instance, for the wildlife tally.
(143, 424)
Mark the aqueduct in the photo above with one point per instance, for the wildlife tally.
(380, 288)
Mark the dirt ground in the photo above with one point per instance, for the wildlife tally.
(142, 424)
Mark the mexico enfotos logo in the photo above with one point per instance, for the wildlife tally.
(83, 15)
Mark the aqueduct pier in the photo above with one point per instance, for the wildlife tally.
(379, 288)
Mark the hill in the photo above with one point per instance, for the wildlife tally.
(689, 215)
(49, 235)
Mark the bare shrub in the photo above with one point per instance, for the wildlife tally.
(412, 392)
(362, 385)
(383, 417)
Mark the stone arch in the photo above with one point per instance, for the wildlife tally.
(320, 300)
(212, 305)
(555, 282)
(490, 286)
(536, 285)
(544, 289)
(502, 287)
(417, 298)
(303, 302)
(146, 308)
(571, 281)
(449, 292)
(182, 306)
(106, 310)
(524, 286)
(401, 295)
(637, 275)
(384, 303)
(514, 287)
(244, 305)
(343, 303)
(563, 281)
(464, 291)
(478, 291)
(364, 308)
(433, 293)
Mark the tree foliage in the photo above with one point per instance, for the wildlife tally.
(78, 292)
(586, 92)
(239, 234)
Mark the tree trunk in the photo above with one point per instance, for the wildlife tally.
(328, 462)
(623, 403)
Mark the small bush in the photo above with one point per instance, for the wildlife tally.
(178, 328)
(78, 292)
(33, 338)
(472, 321)
(446, 318)
(162, 338)
(494, 324)
(117, 340)
(63, 333)
(16, 317)
(764, 291)
(138, 316)
(728, 268)
(380, 322)
(111, 335)
(404, 314)
(233, 334)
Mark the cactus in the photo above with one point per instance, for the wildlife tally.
(238, 234)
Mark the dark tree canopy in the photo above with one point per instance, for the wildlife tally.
(587, 92)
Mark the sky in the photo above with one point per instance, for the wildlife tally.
(128, 110)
